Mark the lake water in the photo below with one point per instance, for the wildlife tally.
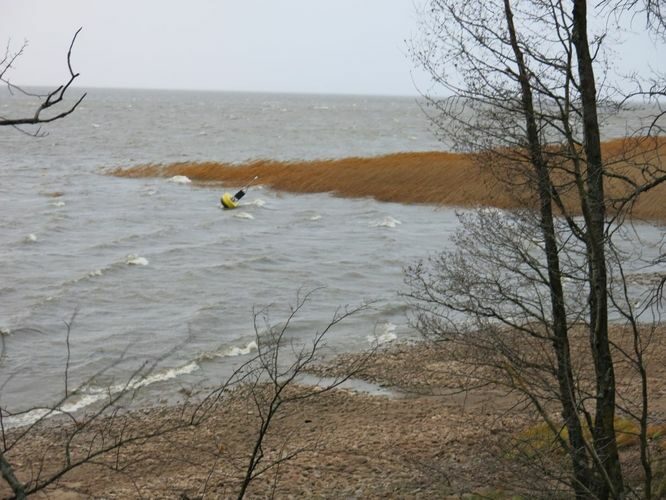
(154, 269)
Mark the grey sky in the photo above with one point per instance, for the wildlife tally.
(320, 46)
(317, 46)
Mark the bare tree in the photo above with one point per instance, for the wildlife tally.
(115, 435)
(44, 103)
(91, 437)
(272, 381)
(525, 102)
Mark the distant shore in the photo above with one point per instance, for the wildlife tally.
(437, 178)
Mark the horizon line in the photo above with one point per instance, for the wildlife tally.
(415, 95)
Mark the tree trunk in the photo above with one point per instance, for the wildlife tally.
(609, 481)
(565, 378)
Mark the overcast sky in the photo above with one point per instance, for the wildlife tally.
(318, 46)
(314, 46)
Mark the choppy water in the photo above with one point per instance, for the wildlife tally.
(155, 268)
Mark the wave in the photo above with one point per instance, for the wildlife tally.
(135, 260)
(228, 352)
(129, 260)
(90, 395)
(258, 202)
(243, 215)
(180, 179)
(383, 335)
(239, 262)
(123, 240)
(310, 215)
(64, 286)
(387, 221)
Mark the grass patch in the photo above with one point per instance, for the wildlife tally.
(435, 177)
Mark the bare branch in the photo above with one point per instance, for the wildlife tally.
(46, 102)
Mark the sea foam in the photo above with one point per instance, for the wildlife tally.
(135, 260)
(387, 221)
(229, 352)
(87, 396)
(240, 351)
(383, 334)
(244, 215)
(180, 179)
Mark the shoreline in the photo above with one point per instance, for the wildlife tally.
(430, 441)
(411, 431)
(349, 444)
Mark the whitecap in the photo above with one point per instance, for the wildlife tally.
(160, 376)
(31, 238)
(310, 215)
(96, 272)
(180, 179)
(383, 335)
(91, 395)
(229, 352)
(240, 351)
(95, 125)
(244, 215)
(257, 202)
(58, 204)
(135, 260)
(387, 221)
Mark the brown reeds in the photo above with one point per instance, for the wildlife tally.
(441, 178)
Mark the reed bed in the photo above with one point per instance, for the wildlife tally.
(438, 178)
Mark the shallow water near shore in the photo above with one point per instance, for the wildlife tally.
(154, 269)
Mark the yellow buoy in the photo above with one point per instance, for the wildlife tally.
(228, 201)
